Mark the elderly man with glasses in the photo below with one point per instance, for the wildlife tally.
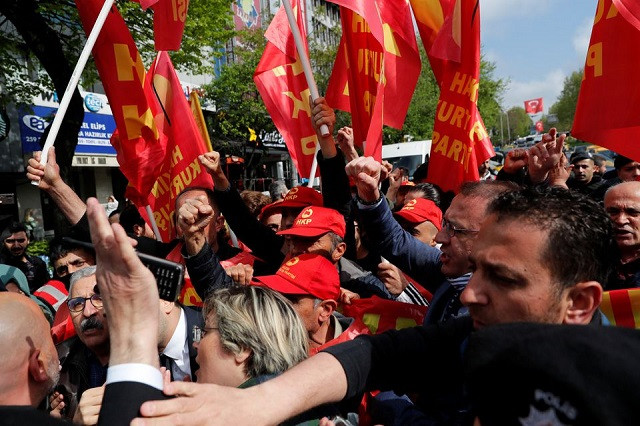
(85, 358)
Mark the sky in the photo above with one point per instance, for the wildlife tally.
(535, 44)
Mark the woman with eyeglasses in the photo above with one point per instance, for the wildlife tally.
(251, 334)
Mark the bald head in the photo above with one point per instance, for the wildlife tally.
(31, 367)
(631, 188)
(622, 203)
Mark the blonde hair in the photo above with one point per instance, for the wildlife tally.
(261, 320)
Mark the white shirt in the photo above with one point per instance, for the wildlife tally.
(178, 350)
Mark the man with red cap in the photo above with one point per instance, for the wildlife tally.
(315, 230)
(422, 219)
(311, 282)
(258, 237)
(321, 230)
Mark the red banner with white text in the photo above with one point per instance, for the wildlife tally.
(281, 82)
(377, 59)
(139, 145)
(608, 109)
(450, 30)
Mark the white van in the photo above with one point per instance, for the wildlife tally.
(407, 154)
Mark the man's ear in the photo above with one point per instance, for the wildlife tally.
(326, 308)
(339, 251)
(37, 369)
(219, 222)
(583, 300)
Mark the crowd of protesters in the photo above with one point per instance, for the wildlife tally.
(511, 272)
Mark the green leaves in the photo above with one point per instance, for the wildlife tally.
(565, 106)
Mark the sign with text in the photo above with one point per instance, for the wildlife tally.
(93, 137)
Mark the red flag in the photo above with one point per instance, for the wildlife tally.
(381, 315)
(377, 58)
(630, 9)
(169, 17)
(608, 109)
(450, 30)
(139, 145)
(539, 126)
(280, 80)
(533, 106)
(181, 168)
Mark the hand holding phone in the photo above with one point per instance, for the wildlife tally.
(169, 275)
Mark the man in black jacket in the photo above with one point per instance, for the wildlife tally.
(584, 180)
(14, 253)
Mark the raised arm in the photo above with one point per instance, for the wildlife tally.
(399, 247)
(130, 296)
(345, 142)
(264, 243)
(545, 155)
(50, 181)
(315, 381)
(203, 265)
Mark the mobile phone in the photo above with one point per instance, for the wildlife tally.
(169, 275)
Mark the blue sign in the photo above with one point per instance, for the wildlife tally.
(93, 137)
(92, 102)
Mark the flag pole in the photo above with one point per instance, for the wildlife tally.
(154, 225)
(152, 219)
(306, 67)
(73, 83)
(314, 166)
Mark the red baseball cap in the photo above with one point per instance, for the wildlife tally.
(420, 210)
(270, 209)
(315, 221)
(307, 274)
(298, 197)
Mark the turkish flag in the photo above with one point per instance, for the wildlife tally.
(533, 106)
(450, 31)
(608, 109)
(539, 126)
(181, 168)
(139, 145)
(281, 82)
(377, 59)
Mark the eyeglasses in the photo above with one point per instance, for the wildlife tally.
(63, 270)
(199, 333)
(15, 240)
(77, 304)
(451, 230)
